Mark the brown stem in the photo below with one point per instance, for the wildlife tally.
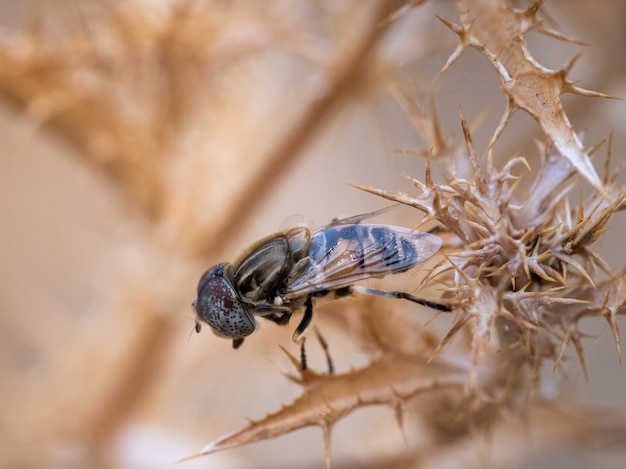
(343, 76)
(146, 359)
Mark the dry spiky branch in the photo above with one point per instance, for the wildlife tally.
(159, 104)
(521, 267)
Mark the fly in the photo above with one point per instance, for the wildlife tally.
(282, 273)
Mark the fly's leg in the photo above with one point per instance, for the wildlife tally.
(303, 364)
(306, 320)
(296, 337)
(279, 318)
(237, 343)
(403, 296)
(324, 344)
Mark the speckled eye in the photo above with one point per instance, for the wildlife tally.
(219, 306)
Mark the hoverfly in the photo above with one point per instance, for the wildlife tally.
(284, 272)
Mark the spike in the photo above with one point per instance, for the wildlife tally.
(506, 118)
(568, 67)
(428, 179)
(562, 349)
(439, 138)
(534, 8)
(398, 411)
(464, 41)
(607, 162)
(610, 318)
(327, 429)
(590, 93)
(451, 333)
(581, 354)
(542, 29)
(569, 260)
(292, 359)
(468, 139)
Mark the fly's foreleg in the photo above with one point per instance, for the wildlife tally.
(403, 296)
(279, 318)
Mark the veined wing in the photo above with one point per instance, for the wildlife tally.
(341, 255)
(357, 219)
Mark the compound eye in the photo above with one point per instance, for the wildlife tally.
(220, 307)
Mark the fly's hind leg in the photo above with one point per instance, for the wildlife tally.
(303, 362)
(324, 345)
(403, 296)
(304, 323)
(306, 320)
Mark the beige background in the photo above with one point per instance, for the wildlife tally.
(69, 246)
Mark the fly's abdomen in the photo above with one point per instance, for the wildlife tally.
(344, 254)
(398, 250)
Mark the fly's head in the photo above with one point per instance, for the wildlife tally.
(219, 305)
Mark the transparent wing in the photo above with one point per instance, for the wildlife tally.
(357, 219)
(343, 254)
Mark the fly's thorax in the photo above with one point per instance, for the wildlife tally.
(299, 239)
(219, 305)
(260, 273)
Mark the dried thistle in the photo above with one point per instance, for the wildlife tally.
(521, 271)
(166, 104)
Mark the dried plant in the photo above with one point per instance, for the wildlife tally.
(157, 103)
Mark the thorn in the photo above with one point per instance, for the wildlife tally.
(468, 139)
(591, 152)
(536, 24)
(568, 68)
(607, 162)
(453, 58)
(610, 318)
(504, 121)
(589, 93)
(559, 356)
(581, 355)
(398, 411)
(189, 458)
(428, 179)
(439, 137)
(468, 280)
(294, 361)
(455, 28)
(580, 215)
(460, 48)
(451, 333)
(534, 8)
(568, 260)
(327, 429)
(541, 29)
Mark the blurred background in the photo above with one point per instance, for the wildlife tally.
(144, 141)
